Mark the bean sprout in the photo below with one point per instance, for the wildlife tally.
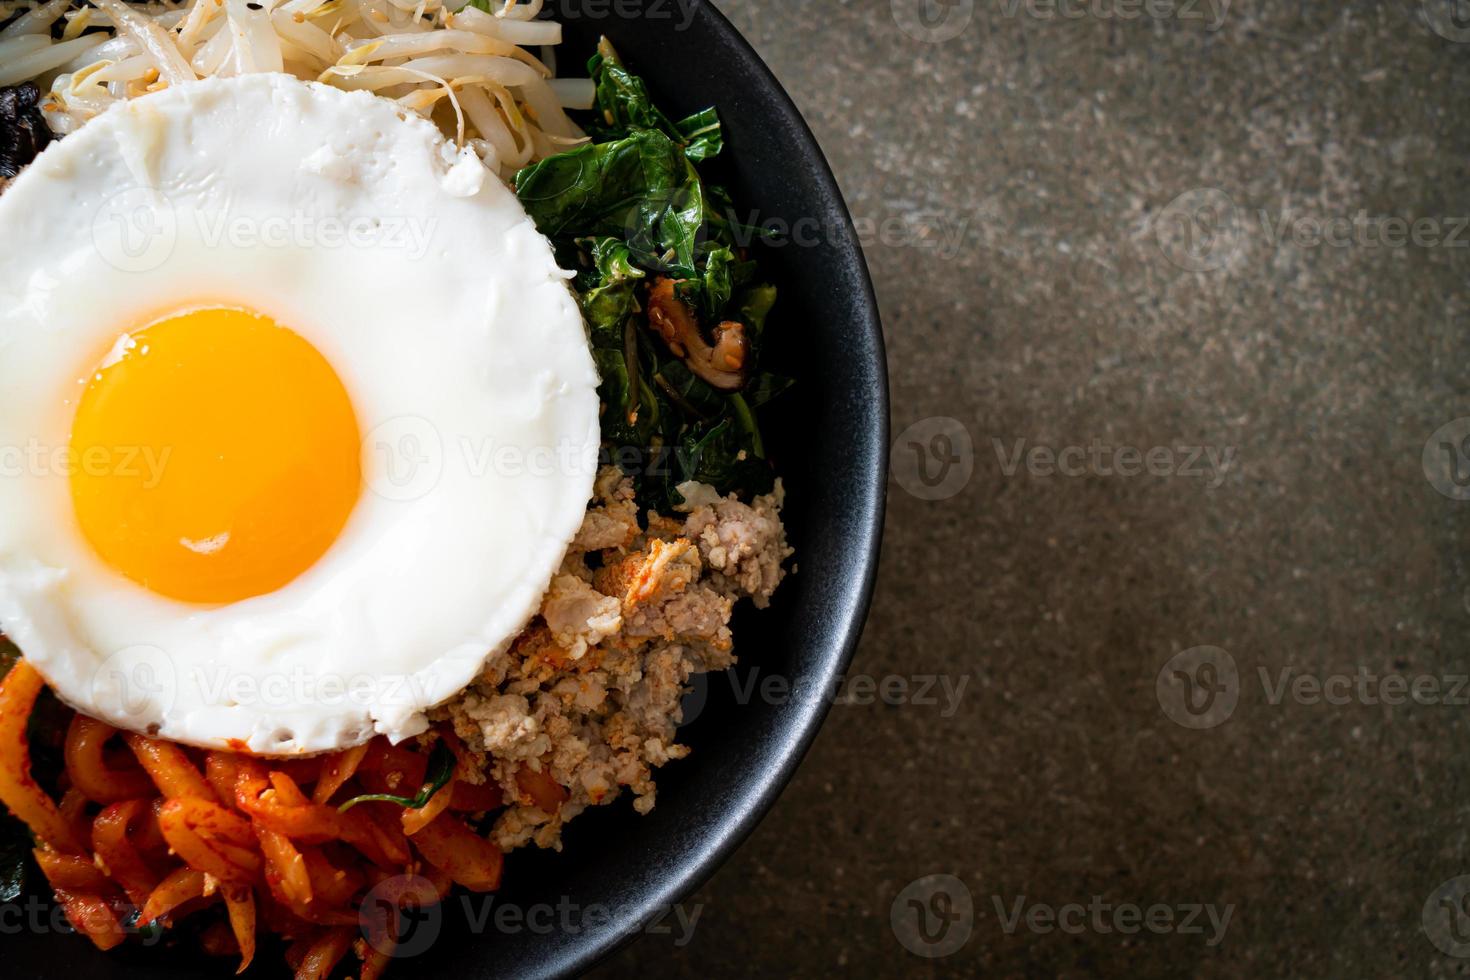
(506, 106)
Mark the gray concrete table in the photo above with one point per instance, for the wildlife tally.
(1191, 277)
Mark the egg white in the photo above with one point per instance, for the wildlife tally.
(456, 338)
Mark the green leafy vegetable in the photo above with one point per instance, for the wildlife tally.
(722, 454)
(640, 188)
(626, 209)
(622, 98)
(710, 293)
(692, 394)
(701, 135)
(440, 769)
(608, 298)
(755, 305)
(624, 106)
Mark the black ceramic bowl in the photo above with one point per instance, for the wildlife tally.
(829, 436)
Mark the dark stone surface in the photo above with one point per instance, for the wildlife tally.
(1036, 285)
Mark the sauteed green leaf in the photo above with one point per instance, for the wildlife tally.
(628, 210)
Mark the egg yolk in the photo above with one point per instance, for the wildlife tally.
(215, 456)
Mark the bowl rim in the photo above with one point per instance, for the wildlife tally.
(757, 797)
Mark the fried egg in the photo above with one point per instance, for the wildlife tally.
(297, 416)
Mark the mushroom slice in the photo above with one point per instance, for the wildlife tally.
(723, 363)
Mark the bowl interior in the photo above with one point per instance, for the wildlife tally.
(828, 434)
